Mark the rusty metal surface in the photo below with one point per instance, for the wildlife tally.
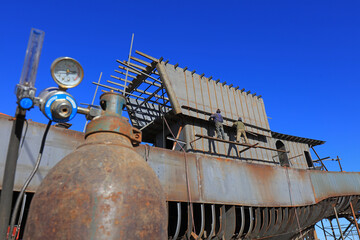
(334, 184)
(60, 142)
(224, 181)
(111, 119)
(103, 190)
(211, 180)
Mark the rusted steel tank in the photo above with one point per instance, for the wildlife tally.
(103, 190)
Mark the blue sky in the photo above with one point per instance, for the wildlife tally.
(303, 57)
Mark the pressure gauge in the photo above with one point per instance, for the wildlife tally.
(67, 72)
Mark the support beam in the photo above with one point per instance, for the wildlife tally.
(136, 96)
(323, 228)
(247, 148)
(319, 159)
(337, 219)
(338, 160)
(145, 81)
(138, 90)
(128, 69)
(139, 79)
(295, 156)
(169, 89)
(131, 76)
(145, 73)
(147, 56)
(355, 220)
(138, 67)
(236, 143)
(177, 137)
(225, 118)
(141, 61)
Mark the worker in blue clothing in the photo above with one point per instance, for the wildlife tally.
(218, 119)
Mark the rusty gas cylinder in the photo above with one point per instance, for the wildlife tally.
(103, 190)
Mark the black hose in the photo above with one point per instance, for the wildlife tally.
(21, 194)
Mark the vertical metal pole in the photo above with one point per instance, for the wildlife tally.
(332, 229)
(92, 102)
(128, 63)
(337, 219)
(355, 220)
(9, 171)
(323, 229)
(337, 158)
(97, 86)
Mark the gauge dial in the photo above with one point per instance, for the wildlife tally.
(67, 72)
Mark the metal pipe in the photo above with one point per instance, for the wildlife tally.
(132, 76)
(137, 90)
(178, 225)
(251, 222)
(323, 228)
(213, 221)
(332, 229)
(355, 220)
(147, 56)
(127, 70)
(202, 221)
(242, 222)
(338, 159)
(84, 111)
(140, 67)
(141, 61)
(118, 90)
(337, 219)
(319, 158)
(9, 171)
(137, 71)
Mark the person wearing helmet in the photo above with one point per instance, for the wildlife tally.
(240, 130)
(218, 119)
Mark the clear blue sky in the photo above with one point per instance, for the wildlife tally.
(303, 57)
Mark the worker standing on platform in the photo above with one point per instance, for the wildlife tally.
(218, 119)
(240, 130)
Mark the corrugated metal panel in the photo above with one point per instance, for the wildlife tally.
(198, 92)
(59, 143)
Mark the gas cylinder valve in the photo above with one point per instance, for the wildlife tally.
(57, 105)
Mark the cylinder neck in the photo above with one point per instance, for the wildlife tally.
(112, 103)
(111, 120)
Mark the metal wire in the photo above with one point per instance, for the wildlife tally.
(36, 167)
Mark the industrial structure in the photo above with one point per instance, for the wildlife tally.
(268, 188)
